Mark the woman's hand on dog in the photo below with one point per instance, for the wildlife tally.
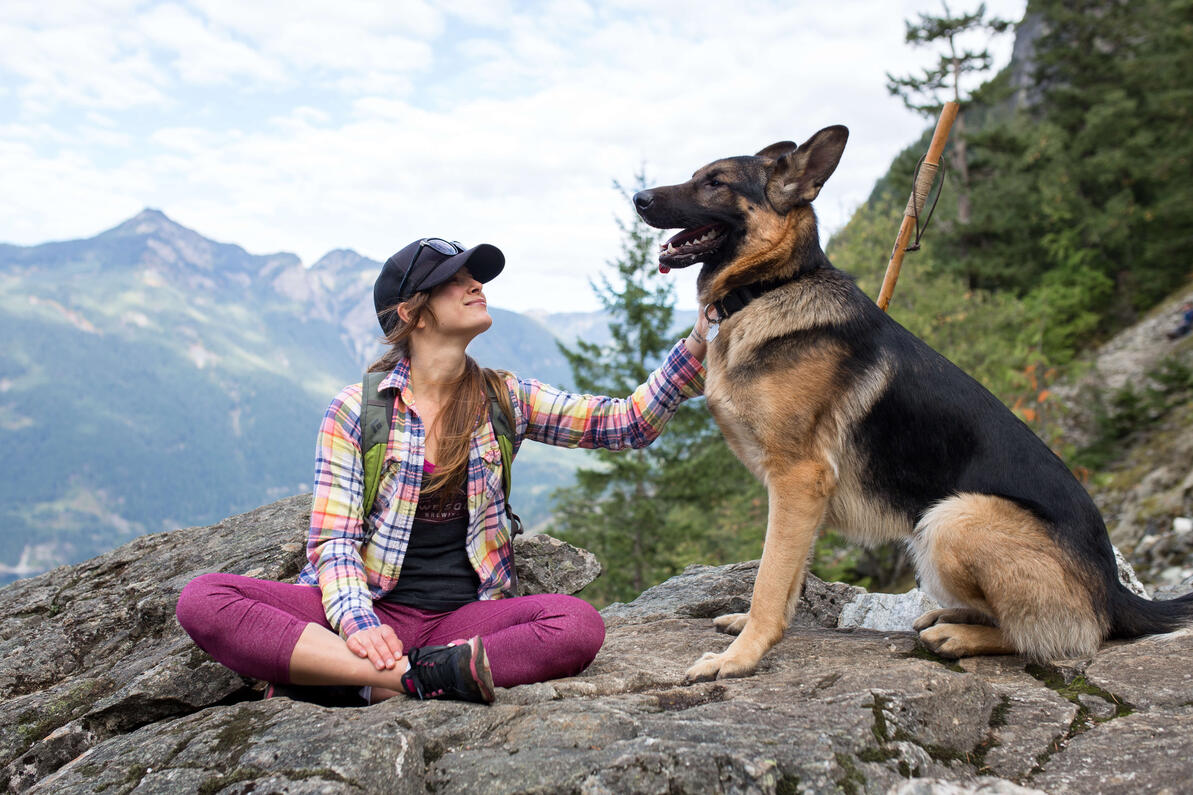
(379, 644)
(697, 339)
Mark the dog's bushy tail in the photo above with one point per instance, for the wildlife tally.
(1132, 615)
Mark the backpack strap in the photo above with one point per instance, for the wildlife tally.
(376, 416)
(503, 426)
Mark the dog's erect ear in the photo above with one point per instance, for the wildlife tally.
(799, 175)
(775, 151)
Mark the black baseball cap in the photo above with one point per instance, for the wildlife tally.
(426, 263)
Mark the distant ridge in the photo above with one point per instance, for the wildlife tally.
(153, 378)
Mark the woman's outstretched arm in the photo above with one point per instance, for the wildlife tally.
(567, 419)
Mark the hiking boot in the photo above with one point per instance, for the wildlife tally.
(458, 670)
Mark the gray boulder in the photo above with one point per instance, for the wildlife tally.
(886, 612)
(93, 651)
(936, 786)
(104, 693)
(1173, 591)
(548, 565)
(711, 591)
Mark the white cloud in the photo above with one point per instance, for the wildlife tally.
(80, 65)
(482, 13)
(268, 22)
(312, 115)
(38, 14)
(185, 140)
(342, 37)
(371, 124)
(202, 54)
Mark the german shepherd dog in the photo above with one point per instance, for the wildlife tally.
(851, 420)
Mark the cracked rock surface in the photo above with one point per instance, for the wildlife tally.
(104, 693)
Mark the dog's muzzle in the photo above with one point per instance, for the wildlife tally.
(687, 247)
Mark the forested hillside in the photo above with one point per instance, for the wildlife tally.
(1081, 214)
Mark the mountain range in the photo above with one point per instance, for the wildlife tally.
(152, 378)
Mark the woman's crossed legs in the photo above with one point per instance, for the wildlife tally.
(255, 627)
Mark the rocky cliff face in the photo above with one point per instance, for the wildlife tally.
(1146, 492)
(104, 693)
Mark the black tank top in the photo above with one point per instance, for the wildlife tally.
(436, 574)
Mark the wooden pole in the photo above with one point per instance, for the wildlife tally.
(915, 205)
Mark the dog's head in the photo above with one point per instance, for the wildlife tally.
(744, 217)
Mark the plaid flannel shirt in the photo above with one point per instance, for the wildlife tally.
(355, 559)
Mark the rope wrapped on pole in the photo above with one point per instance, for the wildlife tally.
(925, 178)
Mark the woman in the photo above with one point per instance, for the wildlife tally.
(414, 594)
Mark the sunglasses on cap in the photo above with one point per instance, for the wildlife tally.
(448, 248)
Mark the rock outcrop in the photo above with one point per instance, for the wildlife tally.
(1145, 493)
(104, 693)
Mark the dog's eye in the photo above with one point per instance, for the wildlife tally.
(713, 182)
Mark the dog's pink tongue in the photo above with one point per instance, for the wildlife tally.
(663, 268)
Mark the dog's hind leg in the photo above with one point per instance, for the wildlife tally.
(990, 559)
(798, 497)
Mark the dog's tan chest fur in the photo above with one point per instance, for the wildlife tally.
(772, 417)
(729, 409)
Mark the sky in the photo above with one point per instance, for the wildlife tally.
(311, 126)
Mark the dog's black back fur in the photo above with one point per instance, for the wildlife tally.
(936, 432)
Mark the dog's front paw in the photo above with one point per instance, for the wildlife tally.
(718, 666)
(731, 623)
(705, 669)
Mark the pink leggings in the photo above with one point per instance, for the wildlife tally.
(252, 626)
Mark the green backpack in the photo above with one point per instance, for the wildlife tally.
(376, 414)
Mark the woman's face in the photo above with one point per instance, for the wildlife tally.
(459, 306)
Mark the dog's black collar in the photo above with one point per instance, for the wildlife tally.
(739, 297)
